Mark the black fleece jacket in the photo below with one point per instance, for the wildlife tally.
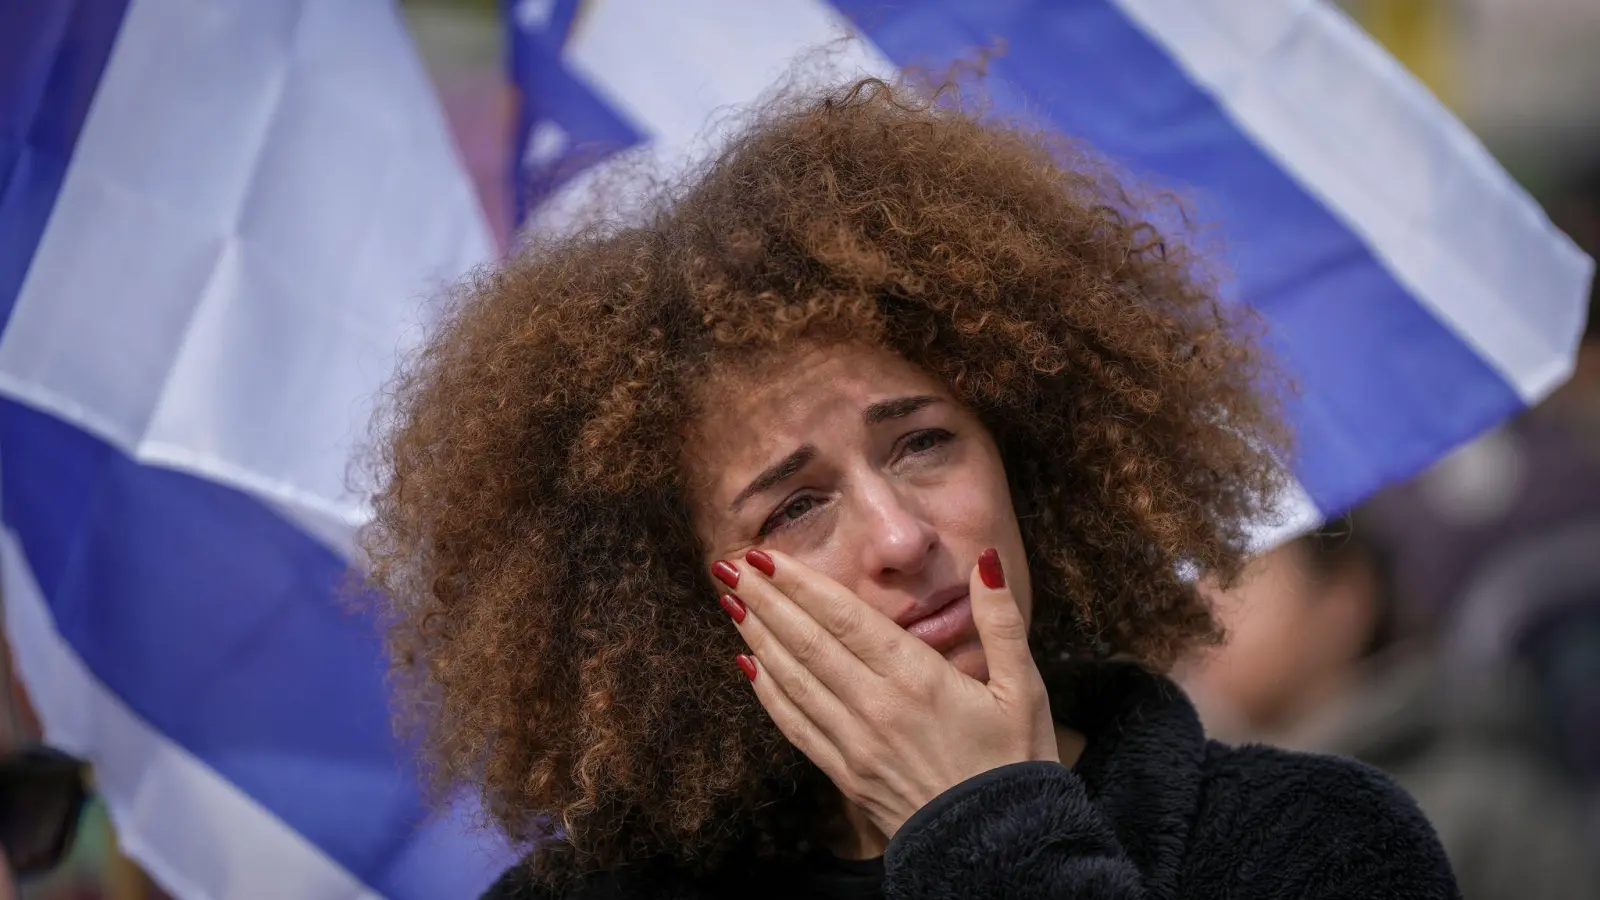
(1152, 810)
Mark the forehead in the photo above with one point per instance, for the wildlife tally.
(754, 415)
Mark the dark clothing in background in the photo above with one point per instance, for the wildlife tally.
(1464, 745)
(1152, 810)
(1496, 564)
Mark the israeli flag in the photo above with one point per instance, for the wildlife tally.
(217, 221)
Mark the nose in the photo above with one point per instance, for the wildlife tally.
(895, 534)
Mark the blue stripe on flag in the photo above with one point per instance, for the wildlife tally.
(1386, 388)
(216, 621)
(51, 57)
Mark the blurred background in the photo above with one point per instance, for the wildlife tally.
(1448, 631)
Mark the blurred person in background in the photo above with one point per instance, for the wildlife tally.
(1450, 634)
(1497, 544)
(42, 793)
(1322, 655)
(56, 841)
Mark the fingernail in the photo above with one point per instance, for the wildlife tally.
(725, 572)
(748, 665)
(761, 561)
(989, 569)
(734, 607)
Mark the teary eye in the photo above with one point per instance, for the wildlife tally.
(925, 440)
(793, 510)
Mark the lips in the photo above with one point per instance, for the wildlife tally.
(930, 605)
(942, 620)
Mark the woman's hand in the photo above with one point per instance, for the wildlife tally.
(884, 715)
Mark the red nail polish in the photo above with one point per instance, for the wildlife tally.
(734, 607)
(747, 664)
(725, 573)
(761, 561)
(989, 569)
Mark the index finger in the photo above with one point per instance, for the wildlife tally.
(873, 637)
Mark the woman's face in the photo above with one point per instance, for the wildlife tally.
(867, 469)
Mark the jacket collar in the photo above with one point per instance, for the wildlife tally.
(1143, 762)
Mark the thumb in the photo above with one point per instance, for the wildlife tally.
(1000, 625)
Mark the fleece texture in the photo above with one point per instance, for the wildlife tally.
(1152, 811)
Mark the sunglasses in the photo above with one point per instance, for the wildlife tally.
(42, 793)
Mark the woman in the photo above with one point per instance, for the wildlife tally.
(825, 535)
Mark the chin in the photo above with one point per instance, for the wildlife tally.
(968, 658)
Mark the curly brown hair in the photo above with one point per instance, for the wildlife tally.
(552, 626)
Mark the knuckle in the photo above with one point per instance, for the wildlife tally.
(1028, 694)
(1009, 626)
(809, 645)
(879, 715)
(1031, 691)
(891, 654)
(892, 711)
(920, 686)
(793, 731)
(863, 763)
(849, 785)
(758, 640)
(848, 617)
(799, 692)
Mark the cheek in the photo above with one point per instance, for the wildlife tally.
(972, 512)
(966, 518)
(991, 501)
(832, 559)
(974, 502)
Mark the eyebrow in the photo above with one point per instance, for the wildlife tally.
(785, 468)
(898, 408)
(775, 474)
